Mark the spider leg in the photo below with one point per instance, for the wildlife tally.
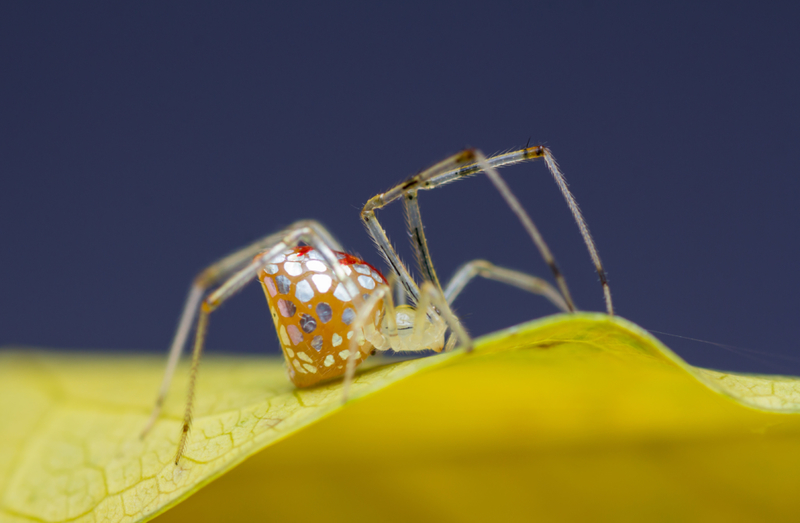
(237, 274)
(465, 164)
(561, 181)
(378, 235)
(389, 307)
(432, 300)
(364, 315)
(526, 221)
(308, 232)
(210, 276)
(398, 291)
(518, 279)
(379, 201)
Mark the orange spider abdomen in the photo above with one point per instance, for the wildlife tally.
(313, 312)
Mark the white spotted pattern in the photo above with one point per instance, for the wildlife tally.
(316, 266)
(366, 282)
(284, 337)
(362, 269)
(303, 291)
(341, 293)
(293, 268)
(323, 282)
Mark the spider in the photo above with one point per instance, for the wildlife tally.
(332, 310)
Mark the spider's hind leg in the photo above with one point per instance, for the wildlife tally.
(237, 270)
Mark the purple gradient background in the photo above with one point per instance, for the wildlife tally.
(141, 142)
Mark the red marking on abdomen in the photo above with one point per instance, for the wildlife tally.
(349, 259)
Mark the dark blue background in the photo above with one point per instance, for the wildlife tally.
(140, 142)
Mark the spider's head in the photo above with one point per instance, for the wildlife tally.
(415, 334)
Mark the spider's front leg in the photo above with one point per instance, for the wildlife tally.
(467, 163)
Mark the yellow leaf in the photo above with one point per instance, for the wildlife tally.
(569, 417)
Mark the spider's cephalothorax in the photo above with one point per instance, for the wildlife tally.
(331, 310)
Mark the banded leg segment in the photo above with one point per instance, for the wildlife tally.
(528, 224)
(415, 229)
(552, 166)
(465, 164)
(452, 164)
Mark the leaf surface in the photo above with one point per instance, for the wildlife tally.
(564, 417)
